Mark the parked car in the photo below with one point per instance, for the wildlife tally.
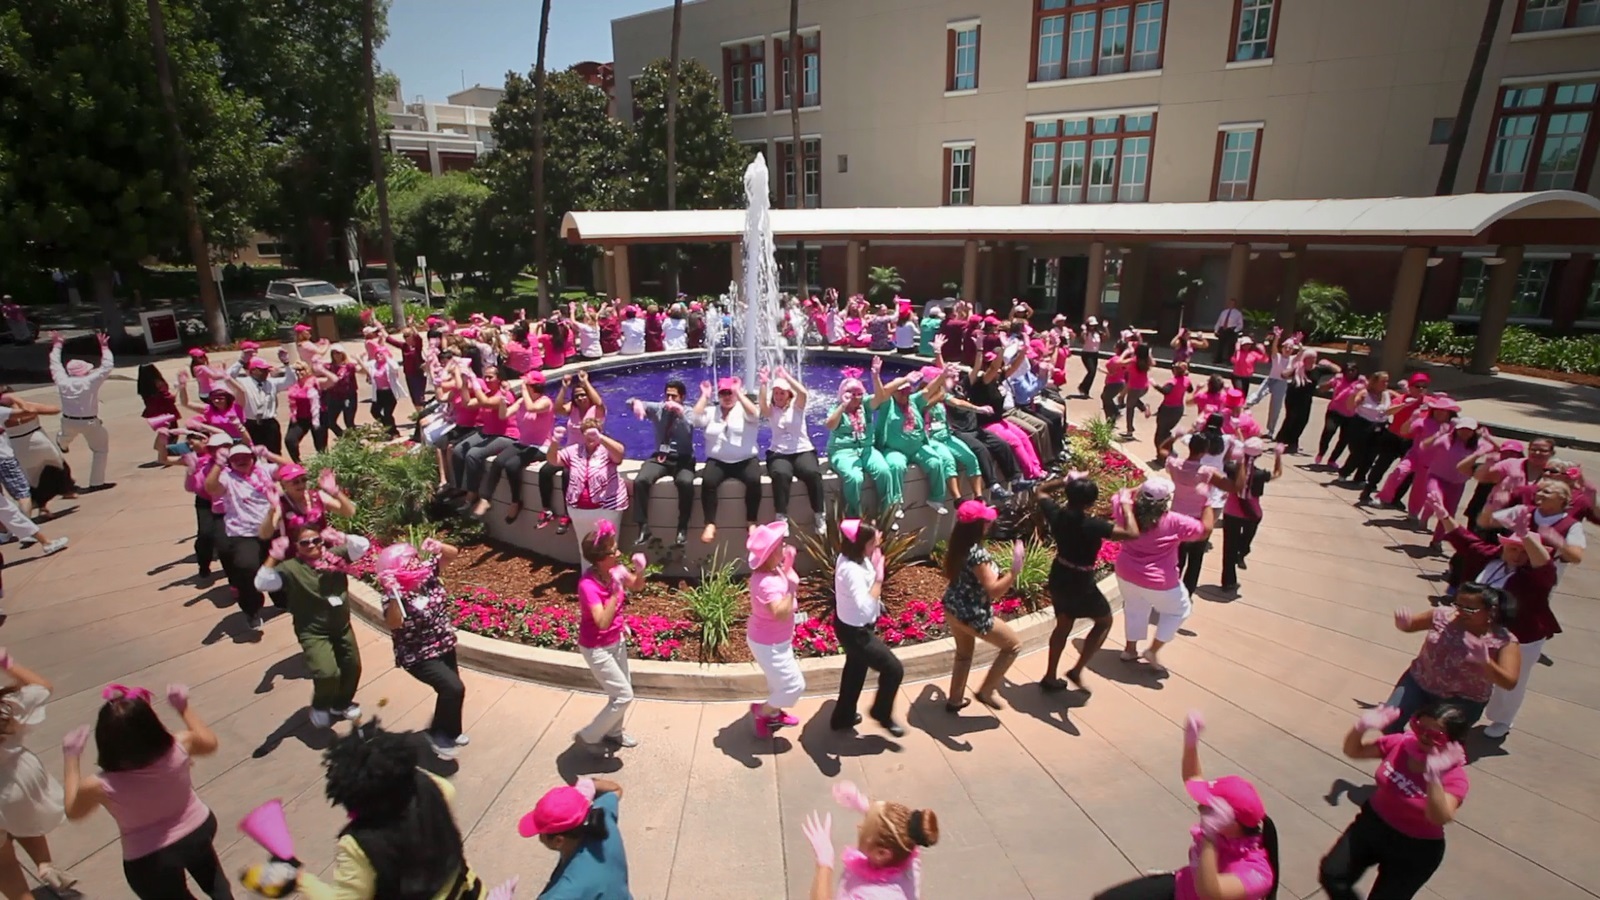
(294, 297)
(375, 292)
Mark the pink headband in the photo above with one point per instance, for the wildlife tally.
(850, 528)
(113, 692)
(604, 529)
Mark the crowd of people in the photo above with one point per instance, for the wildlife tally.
(984, 418)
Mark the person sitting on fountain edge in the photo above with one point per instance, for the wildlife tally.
(673, 458)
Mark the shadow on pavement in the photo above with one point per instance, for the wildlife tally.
(1358, 793)
(290, 668)
(1050, 707)
(298, 726)
(738, 742)
(826, 746)
(575, 762)
(928, 714)
(235, 627)
(1108, 664)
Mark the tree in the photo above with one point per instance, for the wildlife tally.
(441, 219)
(86, 174)
(370, 68)
(585, 165)
(883, 283)
(672, 133)
(710, 163)
(541, 241)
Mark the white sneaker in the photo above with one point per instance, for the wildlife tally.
(939, 509)
(462, 740)
(1496, 730)
(55, 546)
(352, 712)
(821, 525)
(445, 751)
(624, 740)
(899, 514)
(321, 718)
(255, 623)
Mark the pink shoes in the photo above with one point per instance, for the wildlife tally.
(766, 726)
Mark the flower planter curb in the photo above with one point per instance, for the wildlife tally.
(712, 681)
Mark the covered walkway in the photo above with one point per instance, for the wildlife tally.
(1414, 233)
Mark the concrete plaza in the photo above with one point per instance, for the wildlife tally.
(1054, 797)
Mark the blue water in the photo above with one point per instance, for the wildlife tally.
(646, 380)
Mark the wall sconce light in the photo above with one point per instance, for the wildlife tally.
(1434, 261)
(1286, 254)
(1494, 260)
(1255, 254)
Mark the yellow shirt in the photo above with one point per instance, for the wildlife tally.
(353, 876)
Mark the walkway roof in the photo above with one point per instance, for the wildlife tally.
(1546, 217)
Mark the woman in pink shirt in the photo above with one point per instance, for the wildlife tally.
(1419, 431)
(1234, 849)
(145, 784)
(306, 412)
(595, 489)
(602, 589)
(1421, 784)
(1173, 395)
(1439, 477)
(533, 418)
(1341, 406)
(1147, 567)
(774, 587)
(1138, 370)
(1245, 360)
(1116, 378)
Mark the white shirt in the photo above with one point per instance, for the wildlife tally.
(1230, 318)
(905, 336)
(730, 438)
(1280, 364)
(260, 399)
(675, 334)
(852, 588)
(588, 340)
(5, 438)
(80, 394)
(632, 336)
(789, 430)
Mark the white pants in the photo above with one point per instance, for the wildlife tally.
(583, 522)
(14, 520)
(1137, 602)
(610, 667)
(785, 683)
(99, 442)
(1503, 704)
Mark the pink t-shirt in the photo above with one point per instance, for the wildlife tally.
(1116, 371)
(300, 402)
(533, 429)
(766, 590)
(155, 806)
(1207, 402)
(1177, 390)
(1245, 859)
(1188, 499)
(1444, 461)
(1138, 380)
(591, 596)
(1151, 559)
(1244, 361)
(492, 423)
(519, 358)
(1402, 796)
(1344, 390)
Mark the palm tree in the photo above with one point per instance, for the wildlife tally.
(380, 180)
(541, 253)
(884, 283)
(672, 139)
(796, 148)
(199, 254)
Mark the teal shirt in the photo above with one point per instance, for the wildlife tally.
(892, 432)
(599, 870)
(929, 327)
(844, 436)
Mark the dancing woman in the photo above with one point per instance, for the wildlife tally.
(146, 785)
(1467, 653)
(1074, 592)
(904, 414)
(964, 459)
(1421, 783)
(790, 453)
(601, 592)
(858, 587)
(420, 619)
(31, 804)
(579, 823)
(533, 419)
(974, 583)
(1234, 855)
(301, 506)
(1174, 394)
(1303, 377)
(850, 448)
(885, 862)
(1341, 407)
(1147, 567)
(774, 587)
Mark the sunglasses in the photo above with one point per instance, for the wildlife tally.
(310, 542)
(1469, 610)
(724, 393)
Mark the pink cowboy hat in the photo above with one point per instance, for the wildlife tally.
(762, 540)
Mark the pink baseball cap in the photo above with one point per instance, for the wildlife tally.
(728, 383)
(249, 345)
(259, 363)
(975, 511)
(560, 809)
(291, 471)
(302, 328)
(197, 353)
(929, 373)
(1238, 793)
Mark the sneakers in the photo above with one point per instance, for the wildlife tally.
(939, 508)
(899, 513)
(643, 538)
(996, 492)
(681, 538)
(563, 525)
(462, 740)
(254, 623)
(759, 723)
(545, 518)
(352, 712)
(1317, 461)
(623, 740)
(821, 525)
(321, 718)
(787, 720)
(446, 750)
(1496, 731)
(54, 878)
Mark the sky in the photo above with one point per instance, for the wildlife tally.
(436, 45)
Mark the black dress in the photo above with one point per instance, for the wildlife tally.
(1074, 592)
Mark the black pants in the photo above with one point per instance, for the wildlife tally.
(548, 475)
(784, 468)
(1333, 424)
(1191, 555)
(160, 875)
(458, 456)
(1404, 863)
(207, 531)
(716, 471)
(442, 674)
(1387, 447)
(54, 481)
(1163, 886)
(1167, 418)
(478, 459)
(988, 460)
(298, 429)
(864, 650)
(1227, 340)
(241, 557)
(1361, 433)
(417, 387)
(1243, 382)
(1237, 535)
(1091, 365)
(343, 405)
(1480, 498)
(509, 464)
(383, 404)
(1108, 401)
(265, 432)
(681, 471)
(1054, 421)
(1296, 413)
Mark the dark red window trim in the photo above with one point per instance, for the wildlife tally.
(780, 56)
(1544, 111)
(972, 175)
(950, 56)
(1099, 6)
(738, 54)
(1089, 138)
(1569, 18)
(781, 192)
(1233, 33)
(1255, 163)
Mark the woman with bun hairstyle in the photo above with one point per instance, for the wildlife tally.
(402, 842)
(1234, 854)
(579, 823)
(420, 619)
(885, 863)
(316, 586)
(146, 786)
(1422, 782)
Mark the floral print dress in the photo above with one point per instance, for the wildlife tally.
(429, 631)
(965, 599)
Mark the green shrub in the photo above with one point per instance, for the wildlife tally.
(392, 487)
(1034, 579)
(1258, 319)
(824, 548)
(255, 328)
(1371, 326)
(1100, 432)
(1320, 307)
(714, 604)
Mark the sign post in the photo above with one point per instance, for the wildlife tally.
(427, 286)
(222, 301)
